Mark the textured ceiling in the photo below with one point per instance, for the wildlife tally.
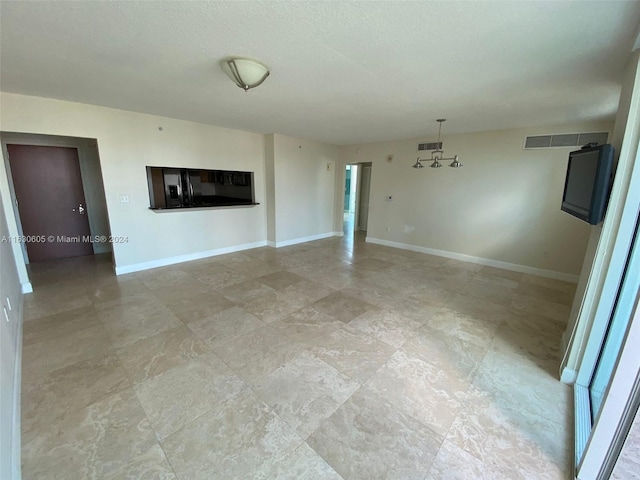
(341, 72)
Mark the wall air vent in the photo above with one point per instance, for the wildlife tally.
(556, 140)
(429, 146)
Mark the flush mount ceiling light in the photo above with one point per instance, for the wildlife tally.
(438, 155)
(245, 73)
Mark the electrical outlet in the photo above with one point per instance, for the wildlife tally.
(124, 198)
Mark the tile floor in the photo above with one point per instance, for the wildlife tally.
(326, 360)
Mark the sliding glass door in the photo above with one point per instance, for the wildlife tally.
(617, 328)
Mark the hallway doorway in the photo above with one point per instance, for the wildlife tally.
(57, 196)
(357, 187)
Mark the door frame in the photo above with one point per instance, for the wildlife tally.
(356, 227)
(41, 141)
(357, 219)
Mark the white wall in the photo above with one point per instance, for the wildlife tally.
(304, 182)
(127, 142)
(502, 206)
(10, 357)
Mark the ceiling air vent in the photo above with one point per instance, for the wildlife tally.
(430, 146)
(565, 140)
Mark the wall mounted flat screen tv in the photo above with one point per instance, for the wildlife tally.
(588, 181)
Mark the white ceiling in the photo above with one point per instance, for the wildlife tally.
(341, 72)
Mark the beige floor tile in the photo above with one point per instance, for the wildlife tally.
(465, 327)
(305, 292)
(254, 268)
(43, 357)
(568, 288)
(221, 279)
(366, 438)
(494, 435)
(279, 280)
(225, 326)
(91, 442)
(59, 324)
(522, 387)
(245, 291)
(176, 397)
(258, 353)
(69, 389)
(413, 309)
(304, 392)
(199, 306)
(233, 440)
(353, 352)
(372, 293)
(430, 293)
(455, 356)
(163, 277)
(307, 325)
(273, 306)
(154, 355)
(444, 348)
(386, 325)
(556, 311)
(342, 307)
(303, 464)
(114, 288)
(497, 289)
(429, 394)
(482, 309)
(151, 464)
(502, 273)
(453, 463)
(135, 318)
(171, 293)
(394, 280)
(54, 300)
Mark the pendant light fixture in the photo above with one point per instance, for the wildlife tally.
(437, 155)
(245, 73)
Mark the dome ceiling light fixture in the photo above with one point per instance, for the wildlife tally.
(245, 72)
(438, 154)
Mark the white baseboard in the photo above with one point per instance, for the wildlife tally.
(482, 261)
(295, 241)
(338, 234)
(163, 262)
(26, 287)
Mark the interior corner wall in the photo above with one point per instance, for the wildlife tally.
(128, 142)
(304, 183)
(502, 206)
(270, 188)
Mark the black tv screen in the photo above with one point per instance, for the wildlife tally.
(586, 187)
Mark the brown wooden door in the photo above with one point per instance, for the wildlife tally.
(48, 187)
